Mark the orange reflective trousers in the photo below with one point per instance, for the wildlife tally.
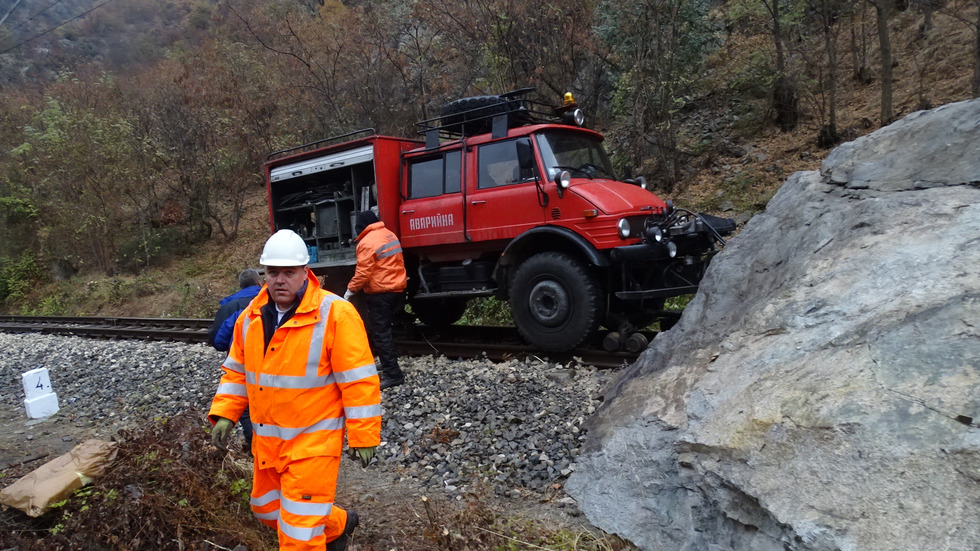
(298, 502)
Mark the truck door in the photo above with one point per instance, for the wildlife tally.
(432, 212)
(503, 203)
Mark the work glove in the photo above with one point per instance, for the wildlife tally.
(364, 454)
(220, 432)
(348, 294)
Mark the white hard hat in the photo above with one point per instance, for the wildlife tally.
(285, 248)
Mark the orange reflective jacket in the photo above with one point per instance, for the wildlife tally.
(380, 263)
(316, 377)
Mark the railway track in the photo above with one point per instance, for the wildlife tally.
(457, 341)
(166, 329)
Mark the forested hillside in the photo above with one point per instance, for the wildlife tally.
(133, 132)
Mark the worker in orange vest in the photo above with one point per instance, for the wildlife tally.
(300, 361)
(380, 274)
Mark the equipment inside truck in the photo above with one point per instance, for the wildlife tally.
(319, 198)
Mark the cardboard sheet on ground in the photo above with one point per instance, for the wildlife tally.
(58, 478)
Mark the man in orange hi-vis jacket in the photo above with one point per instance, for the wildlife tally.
(300, 361)
(380, 273)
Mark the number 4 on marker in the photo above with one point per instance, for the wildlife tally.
(39, 384)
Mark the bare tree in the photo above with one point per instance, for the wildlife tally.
(826, 14)
(657, 48)
(859, 45)
(518, 43)
(883, 9)
(785, 96)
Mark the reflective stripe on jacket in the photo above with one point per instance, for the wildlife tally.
(380, 263)
(316, 377)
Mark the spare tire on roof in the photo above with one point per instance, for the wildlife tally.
(474, 115)
(488, 105)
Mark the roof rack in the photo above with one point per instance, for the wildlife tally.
(482, 114)
(319, 143)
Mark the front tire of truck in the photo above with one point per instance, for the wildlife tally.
(555, 301)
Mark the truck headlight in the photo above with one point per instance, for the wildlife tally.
(574, 117)
(624, 228)
(672, 249)
(653, 232)
(563, 179)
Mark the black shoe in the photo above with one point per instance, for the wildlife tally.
(388, 382)
(340, 544)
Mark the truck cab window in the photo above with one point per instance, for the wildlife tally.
(582, 155)
(432, 177)
(498, 165)
(453, 172)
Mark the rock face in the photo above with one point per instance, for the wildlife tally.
(822, 391)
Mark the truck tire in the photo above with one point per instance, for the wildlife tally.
(555, 301)
(440, 312)
(482, 107)
(488, 105)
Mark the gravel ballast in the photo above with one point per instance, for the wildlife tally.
(515, 426)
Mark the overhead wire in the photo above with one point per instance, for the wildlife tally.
(39, 35)
(35, 14)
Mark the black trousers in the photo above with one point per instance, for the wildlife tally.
(380, 313)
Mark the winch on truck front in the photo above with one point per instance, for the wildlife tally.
(508, 197)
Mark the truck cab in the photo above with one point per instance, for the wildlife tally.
(507, 197)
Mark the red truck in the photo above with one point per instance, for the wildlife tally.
(508, 197)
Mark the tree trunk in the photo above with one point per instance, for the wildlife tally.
(831, 45)
(785, 100)
(855, 62)
(928, 7)
(883, 9)
(859, 46)
(777, 39)
(786, 103)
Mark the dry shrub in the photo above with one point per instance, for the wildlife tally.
(168, 488)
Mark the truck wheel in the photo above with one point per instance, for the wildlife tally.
(440, 312)
(481, 107)
(488, 105)
(555, 301)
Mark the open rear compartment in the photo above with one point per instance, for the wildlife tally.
(318, 198)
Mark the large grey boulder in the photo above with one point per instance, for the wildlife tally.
(822, 391)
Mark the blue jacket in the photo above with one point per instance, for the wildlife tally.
(228, 311)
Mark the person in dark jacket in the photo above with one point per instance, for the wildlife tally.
(230, 307)
(220, 335)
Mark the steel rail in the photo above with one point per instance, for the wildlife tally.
(465, 342)
(166, 329)
(116, 321)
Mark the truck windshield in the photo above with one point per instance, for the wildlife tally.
(581, 155)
